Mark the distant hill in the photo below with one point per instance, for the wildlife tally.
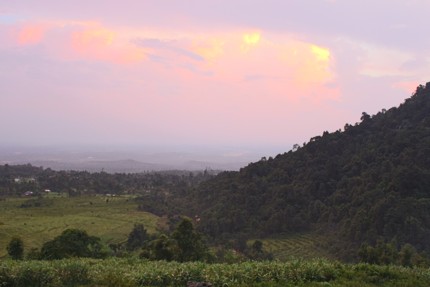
(369, 182)
(129, 159)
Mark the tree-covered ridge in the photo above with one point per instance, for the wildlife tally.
(368, 182)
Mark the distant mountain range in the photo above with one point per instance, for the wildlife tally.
(124, 161)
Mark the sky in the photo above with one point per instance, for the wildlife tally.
(203, 73)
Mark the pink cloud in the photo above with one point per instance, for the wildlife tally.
(243, 84)
(102, 44)
(30, 34)
(75, 40)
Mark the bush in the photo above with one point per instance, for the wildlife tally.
(36, 277)
(15, 248)
(73, 243)
(6, 279)
(74, 274)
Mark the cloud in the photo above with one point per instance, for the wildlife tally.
(383, 61)
(31, 34)
(210, 48)
(310, 63)
(74, 40)
(206, 71)
(99, 43)
(251, 38)
(156, 45)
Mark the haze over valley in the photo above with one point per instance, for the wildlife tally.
(135, 158)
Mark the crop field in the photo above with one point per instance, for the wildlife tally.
(110, 218)
(304, 246)
(133, 272)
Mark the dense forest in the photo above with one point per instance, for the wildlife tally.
(367, 184)
(364, 190)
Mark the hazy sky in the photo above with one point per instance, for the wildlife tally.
(237, 72)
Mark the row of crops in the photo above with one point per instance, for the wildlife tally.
(303, 246)
(134, 272)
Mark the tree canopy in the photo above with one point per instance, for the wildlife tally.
(72, 243)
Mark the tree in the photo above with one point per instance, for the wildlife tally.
(137, 237)
(383, 253)
(407, 253)
(190, 243)
(72, 243)
(15, 248)
(164, 248)
(256, 252)
(368, 254)
(364, 116)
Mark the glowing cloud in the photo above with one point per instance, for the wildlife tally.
(103, 45)
(310, 63)
(252, 38)
(209, 50)
(30, 35)
(94, 37)
(321, 53)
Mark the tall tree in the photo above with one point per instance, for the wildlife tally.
(137, 237)
(191, 246)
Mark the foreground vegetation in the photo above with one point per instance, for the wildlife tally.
(135, 272)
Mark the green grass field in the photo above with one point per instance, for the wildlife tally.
(303, 246)
(110, 218)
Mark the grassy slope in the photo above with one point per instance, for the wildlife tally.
(112, 220)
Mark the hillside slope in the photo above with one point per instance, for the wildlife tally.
(369, 182)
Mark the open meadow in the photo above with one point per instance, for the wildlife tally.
(36, 221)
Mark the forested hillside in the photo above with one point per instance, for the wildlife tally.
(366, 183)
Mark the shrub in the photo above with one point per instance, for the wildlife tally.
(15, 248)
(74, 274)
